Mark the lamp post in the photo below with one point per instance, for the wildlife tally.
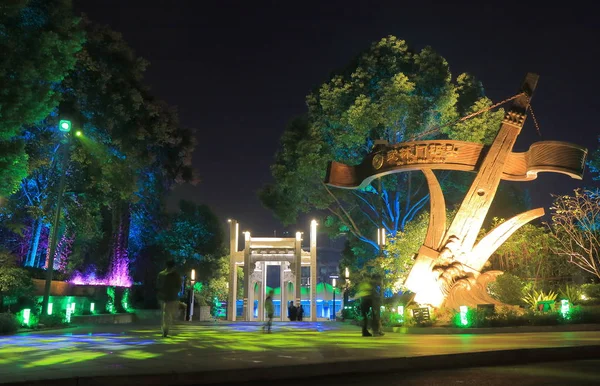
(333, 285)
(192, 282)
(346, 285)
(65, 127)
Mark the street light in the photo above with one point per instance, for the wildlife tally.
(192, 281)
(346, 284)
(64, 126)
(333, 285)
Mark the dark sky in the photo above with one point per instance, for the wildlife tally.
(239, 70)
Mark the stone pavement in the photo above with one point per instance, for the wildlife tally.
(207, 353)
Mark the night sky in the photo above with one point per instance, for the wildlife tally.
(238, 71)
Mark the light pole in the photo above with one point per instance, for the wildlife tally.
(333, 285)
(65, 127)
(346, 284)
(192, 281)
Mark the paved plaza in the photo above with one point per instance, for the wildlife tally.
(127, 350)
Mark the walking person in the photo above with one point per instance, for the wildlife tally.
(269, 310)
(370, 303)
(168, 285)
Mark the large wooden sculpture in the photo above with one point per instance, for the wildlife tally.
(447, 269)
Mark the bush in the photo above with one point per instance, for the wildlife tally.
(508, 289)
(54, 320)
(591, 291)
(8, 324)
(571, 293)
(534, 297)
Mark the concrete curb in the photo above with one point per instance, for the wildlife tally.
(377, 365)
(494, 330)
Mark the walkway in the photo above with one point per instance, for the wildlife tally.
(117, 350)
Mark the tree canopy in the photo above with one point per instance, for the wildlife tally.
(389, 92)
(39, 40)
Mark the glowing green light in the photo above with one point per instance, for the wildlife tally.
(64, 125)
(463, 315)
(68, 314)
(91, 307)
(49, 308)
(565, 308)
(78, 133)
(26, 316)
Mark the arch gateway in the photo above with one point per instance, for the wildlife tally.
(257, 255)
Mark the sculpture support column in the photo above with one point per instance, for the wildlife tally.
(469, 218)
(233, 248)
(247, 268)
(313, 270)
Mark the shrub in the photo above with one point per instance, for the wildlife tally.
(571, 293)
(508, 289)
(8, 324)
(534, 297)
(591, 291)
(54, 320)
(390, 319)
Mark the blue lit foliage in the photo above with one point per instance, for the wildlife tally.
(131, 152)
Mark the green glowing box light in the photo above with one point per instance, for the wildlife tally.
(91, 307)
(70, 311)
(26, 316)
(564, 308)
(49, 308)
(64, 125)
(463, 315)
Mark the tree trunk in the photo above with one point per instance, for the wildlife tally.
(119, 259)
(34, 242)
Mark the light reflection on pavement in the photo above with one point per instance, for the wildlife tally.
(133, 349)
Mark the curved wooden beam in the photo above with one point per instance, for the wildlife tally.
(437, 212)
(544, 156)
(494, 238)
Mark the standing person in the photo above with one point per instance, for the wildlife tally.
(167, 289)
(270, 310)
(292, 311)
(300, 312)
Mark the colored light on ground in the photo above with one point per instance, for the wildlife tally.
(49, 308)
(64, 125)
(463, 315)
(26, 316)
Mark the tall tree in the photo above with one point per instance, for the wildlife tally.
(38, 41)
(388, 92)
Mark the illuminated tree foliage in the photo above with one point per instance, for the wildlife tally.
(42, 37)
(530, 254)
(388, 92)
(131, 153)
(575, 226)
(193, 235)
